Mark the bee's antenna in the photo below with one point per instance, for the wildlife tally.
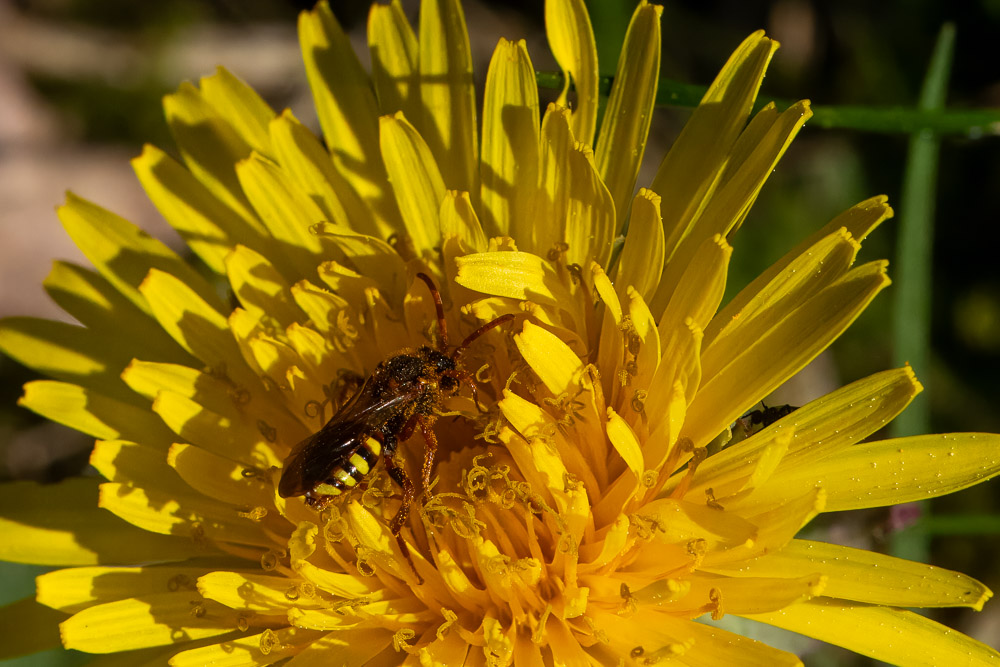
(479, 332)
(442, 326)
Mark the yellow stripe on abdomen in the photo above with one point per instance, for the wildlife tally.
(358, 462)
(343, 477)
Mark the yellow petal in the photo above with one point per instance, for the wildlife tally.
(787, 346)
(777, 527)
(144, 621)
(690, 171)
(458, 218)
(196, 325)
(590, 211)
(867, 576)
(544, 463)
(207, 225)
(699, 288)
(622, 139)
(43, 525)
(393, 48)
(647, 357)
(77, 588)
(92, 412)
(448, 123)
(252, 441)
(288, 213)
(458, 583)
(123, 253)
(378, 543)
(518, 275)
(822, 427)
(373, 258)
(416, 182)
(858, 221)
(133, 463)
(597, 554)
(304, 159)
(150, 379)
(96, 304)
(358, 646)
(614, 337)
(260, 288)
(241, 106)
(679, 522)
(447, 649)
(70, 353)
(552, 197)
(754, 595)
(192, 516)
(571, 39)
(348, 113)
(209, 145)
(625, 443)
(220, 478)
(752, 161)
(642, 257)
(648, 634)
(335, 318)
(889, 472)
(680, 366)
(661, 636)
(262, 593)
(890, 635)
(818, 266)
(265, 648)
(557, 366)
(509, 166)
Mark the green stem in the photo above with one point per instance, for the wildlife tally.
(884, 120)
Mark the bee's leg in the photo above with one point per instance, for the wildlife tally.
(396, 525)
(427, 428)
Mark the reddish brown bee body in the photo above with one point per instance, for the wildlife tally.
(402, 393)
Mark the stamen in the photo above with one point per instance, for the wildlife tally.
(450, 617)
(715, 596)
(697, 456)
(268, 641)
(401, 639)
(255, 514)
(269, 432)
(269, 560)
(180, 581)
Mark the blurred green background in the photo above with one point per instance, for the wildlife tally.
(81, 82)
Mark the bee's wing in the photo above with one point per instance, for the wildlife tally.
(312, 460)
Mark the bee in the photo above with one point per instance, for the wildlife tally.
(758, 420)
(749, 424)
(403, 393)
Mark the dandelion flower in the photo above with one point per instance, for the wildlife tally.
(574, 514)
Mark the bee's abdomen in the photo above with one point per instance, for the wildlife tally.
(349, 472)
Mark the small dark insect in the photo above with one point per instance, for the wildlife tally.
(402, 393)
(757, 420)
